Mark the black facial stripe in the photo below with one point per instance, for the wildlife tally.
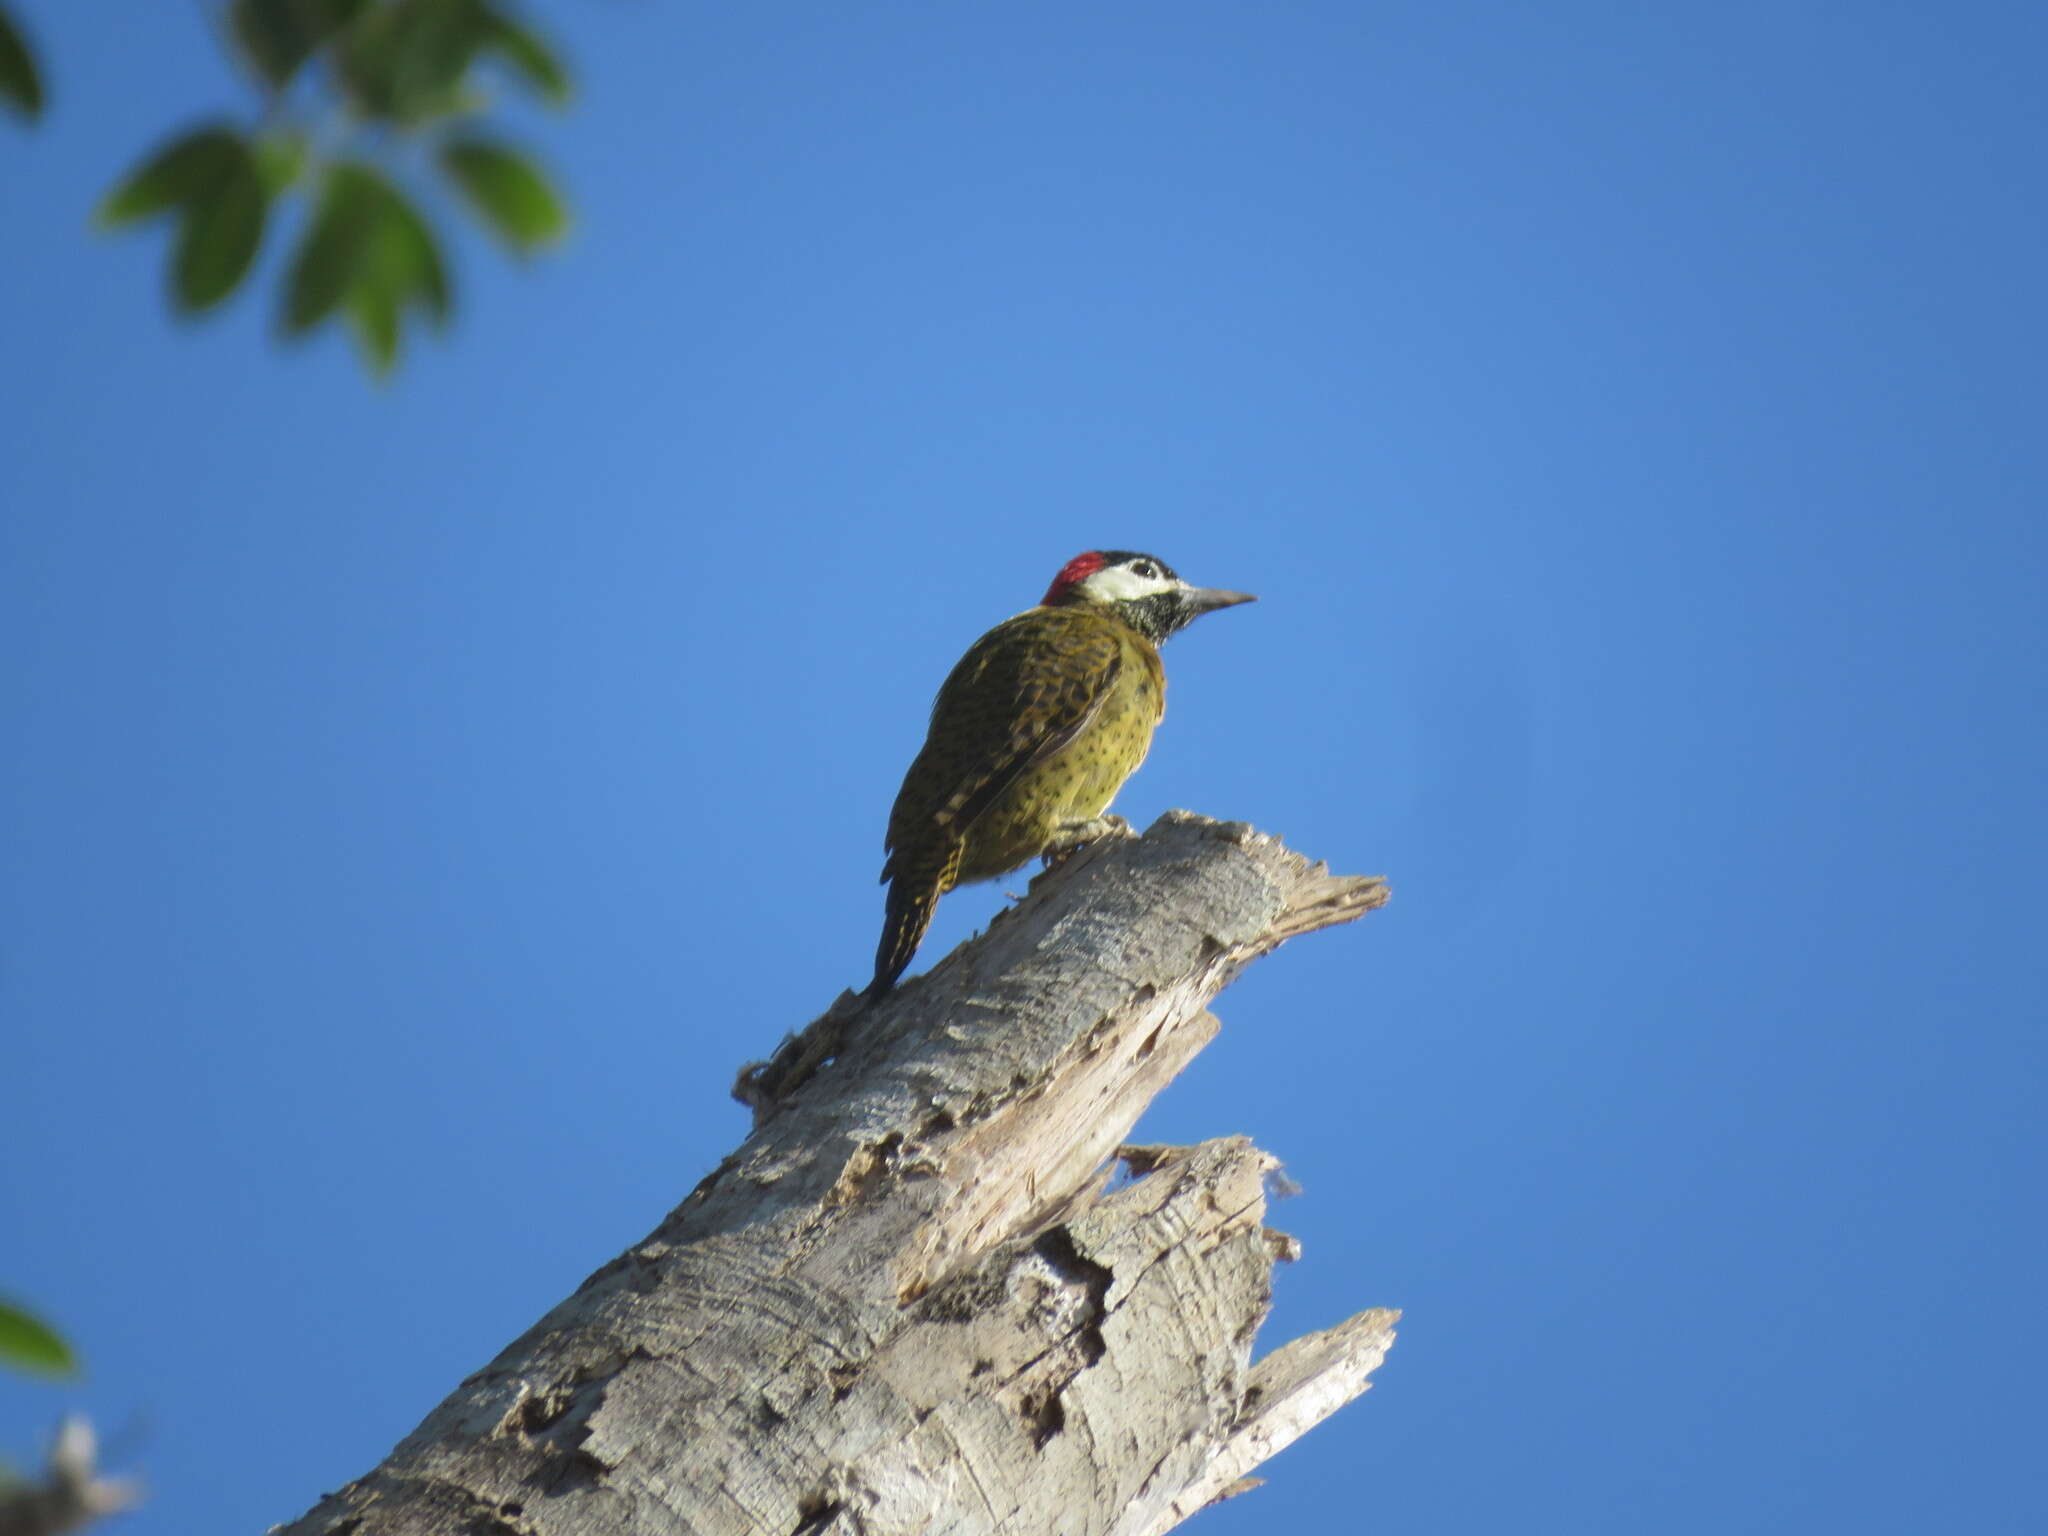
(1127, 556)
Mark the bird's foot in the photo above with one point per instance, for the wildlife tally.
(1075, 835)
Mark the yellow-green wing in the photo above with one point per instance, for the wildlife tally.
(1020, 696)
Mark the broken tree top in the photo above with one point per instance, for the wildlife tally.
(912, 1300)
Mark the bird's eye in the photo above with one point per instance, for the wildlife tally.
(1146, 569)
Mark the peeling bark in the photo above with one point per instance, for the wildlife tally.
(915, 1299)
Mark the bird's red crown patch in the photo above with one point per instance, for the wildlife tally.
(1072, 574)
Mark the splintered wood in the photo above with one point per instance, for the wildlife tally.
(916, 1300)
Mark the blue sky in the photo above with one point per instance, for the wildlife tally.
(417, 801)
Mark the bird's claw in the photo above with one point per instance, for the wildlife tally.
(1075, 836)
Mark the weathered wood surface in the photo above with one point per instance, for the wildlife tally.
(914, 1300)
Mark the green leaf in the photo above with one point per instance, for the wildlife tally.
(212, 178)
(183, 171)
(373, 316)
(407, 257)
(405, 61)
(325, 266)
(280, 157)
(527, 56)
(278, 36)
(509, 191)
(32, 1345)
(219, 238)
(21, 86)
(400, 268)
(371, 256)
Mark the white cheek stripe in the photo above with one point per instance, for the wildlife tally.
(1120, 584)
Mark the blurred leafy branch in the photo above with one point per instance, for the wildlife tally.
(357, 97)
(71, 1493)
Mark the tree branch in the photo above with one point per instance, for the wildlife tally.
(912, 1300)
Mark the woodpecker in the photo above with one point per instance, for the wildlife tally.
(1032, 735)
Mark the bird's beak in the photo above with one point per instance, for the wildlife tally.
(1203, 600)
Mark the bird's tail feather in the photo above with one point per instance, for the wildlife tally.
(914, 892)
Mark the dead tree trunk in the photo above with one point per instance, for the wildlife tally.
(913, 1300)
